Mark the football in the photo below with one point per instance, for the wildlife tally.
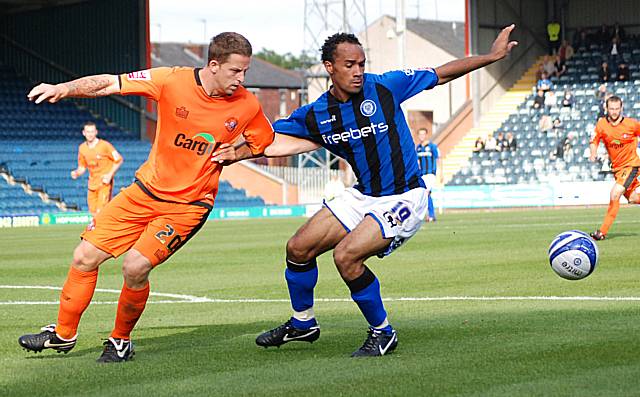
(573, 255)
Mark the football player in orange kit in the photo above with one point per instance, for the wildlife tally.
(620, 137)
(174, 191)
(103, 161)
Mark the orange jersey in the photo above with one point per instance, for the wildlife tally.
(620, 141)
(98, 160)
(190, 127)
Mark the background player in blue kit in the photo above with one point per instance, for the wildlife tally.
(428, 158)
(359, 119)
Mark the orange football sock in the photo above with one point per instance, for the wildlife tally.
(74, 300)
(612, 212)
(130, 307)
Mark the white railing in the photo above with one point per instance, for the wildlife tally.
(311, 181)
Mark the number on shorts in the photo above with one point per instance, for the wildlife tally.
(398, 214)
(174, 243)
(165, 233)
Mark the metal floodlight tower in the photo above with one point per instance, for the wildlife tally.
(323, 18)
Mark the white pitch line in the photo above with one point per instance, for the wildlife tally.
(198, 299)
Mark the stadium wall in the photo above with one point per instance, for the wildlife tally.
(59, 43)
(593, 13)
(487, 18)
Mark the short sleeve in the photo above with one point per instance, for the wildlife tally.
(258, 134)
(112, 153)
(296, 124)
(406, 83)
(144, 82)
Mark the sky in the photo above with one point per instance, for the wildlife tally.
(268, 24)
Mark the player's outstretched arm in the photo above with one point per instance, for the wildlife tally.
(283, 145)
(286, 145)
(84, 87)
(500, 48)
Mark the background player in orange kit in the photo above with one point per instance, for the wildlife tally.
(103, 161)
(620, 137)
(174, 191)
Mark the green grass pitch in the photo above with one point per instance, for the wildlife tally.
(449, 347)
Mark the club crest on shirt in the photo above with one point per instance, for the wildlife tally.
(368, 108)
(231, 124)
(182, 112)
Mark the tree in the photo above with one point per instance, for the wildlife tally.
(287, 61)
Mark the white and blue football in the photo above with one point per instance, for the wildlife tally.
(573, 255)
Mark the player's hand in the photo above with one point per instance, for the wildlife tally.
(502, 46)
(47, 92)
(225, 154)
(106, 179)
(74, 174)
(592, 158)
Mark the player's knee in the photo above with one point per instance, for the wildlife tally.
(346, 263)
(135, 270)
(298, 251)
(85, 259)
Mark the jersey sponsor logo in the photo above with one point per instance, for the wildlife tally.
(355, 133)
(231, 124)
(368, 108)
(139, 75)
(182, 112)
(202, 143)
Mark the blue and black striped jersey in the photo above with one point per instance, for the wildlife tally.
(428, 158)
(369, 130)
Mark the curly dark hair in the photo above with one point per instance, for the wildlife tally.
(331, 43)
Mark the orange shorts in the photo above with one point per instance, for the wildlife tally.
(627, 177)
(155, 228)
(97, 199)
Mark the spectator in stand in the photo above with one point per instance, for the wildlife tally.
(605, 73)
(560, 66)
(557, 127)
(601, 93)
(566, 152)
(548, 65)
(545, 124)
(490, 143)
(623, 72)
(544, 83)
(565, 51)
(501, 142)
(614, 50)
(512, 143)
(567, 99)
(550, 101)
(479, 145)
(538, 101)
